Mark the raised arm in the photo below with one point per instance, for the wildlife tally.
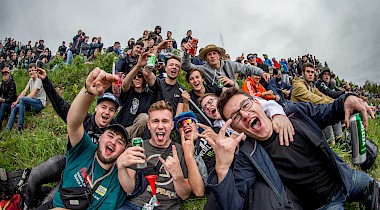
(194, 176)
(96, 83)
(59, 105)
(131, 75)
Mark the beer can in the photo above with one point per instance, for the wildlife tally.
(358, 139)
(151, 62)
(220, 83)
(137, 141)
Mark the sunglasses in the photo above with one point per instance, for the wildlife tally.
(139, 76)
(183, 123)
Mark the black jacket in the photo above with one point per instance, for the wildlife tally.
(125, 64)
(8, 91)
(328, 89)
(62, 108)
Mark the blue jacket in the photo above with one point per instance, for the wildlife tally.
(277, 86)
(255, 170)
(284, 66)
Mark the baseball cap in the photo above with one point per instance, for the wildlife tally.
(109, 97)
(119, 128)
(184, 116)
(5, 69)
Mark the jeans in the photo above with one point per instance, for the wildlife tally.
(4, 108)
(359, 181)
(47, 172)
(24, 104)
(69, 57)
(333, 131)
(129, 206)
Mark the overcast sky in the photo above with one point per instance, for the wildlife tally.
(345, 34)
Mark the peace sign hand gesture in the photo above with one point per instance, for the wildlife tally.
(224, 148)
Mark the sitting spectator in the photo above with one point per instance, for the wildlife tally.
(94, 124)
(215, 67)
(62, 49)
(34, 101)
(276, 64)
(315, 175)
(172, 184)
(188, 37)
(281, 87)
(136, 99)
(8, 93)
(167, 52)
(305, 91)
(325, 85)
(126, 62)
(253, 87)
(90, 166)
(254, 62)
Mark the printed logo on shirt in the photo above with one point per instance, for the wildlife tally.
(176, 95)
(135, 106)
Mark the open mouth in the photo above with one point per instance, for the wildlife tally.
(212, 110)
(109, 150)
(188, 130)
(255, 123)
(105, 117)
(196, 84)
(160, 136)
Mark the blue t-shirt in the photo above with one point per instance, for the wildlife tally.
(109, 195)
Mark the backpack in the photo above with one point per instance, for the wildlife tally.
(371, 197)
(12, 187)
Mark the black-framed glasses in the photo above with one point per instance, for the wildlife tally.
(208, 103)
(245, 106)
(183, 123)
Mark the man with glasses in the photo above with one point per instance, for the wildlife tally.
(308, 167)
(8, 93)
(34, 101)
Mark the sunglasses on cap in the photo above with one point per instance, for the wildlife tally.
(139, 75)
(250, 57)
(183, 123)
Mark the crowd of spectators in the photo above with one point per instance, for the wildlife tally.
(153, 104)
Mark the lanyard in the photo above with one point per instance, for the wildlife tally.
(92, 184)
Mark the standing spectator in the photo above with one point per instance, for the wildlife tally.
(77, 40)
(157, 34)
(35, 101)
(300, 64)
(85, 47)
(115, 48)
(267, 61)
(276, 63)
(100, 43)
(93, 46)
(62, 49)
(169, 37)
(188, 37)
(40, 48)
(130, 44)
(8, 93)
(285, 71)
(144, 38)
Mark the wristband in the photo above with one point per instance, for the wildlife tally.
(87, 91)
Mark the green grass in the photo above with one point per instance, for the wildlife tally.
(45, 133)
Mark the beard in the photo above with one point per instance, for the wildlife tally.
(103, 159)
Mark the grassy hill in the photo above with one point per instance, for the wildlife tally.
(45, 133)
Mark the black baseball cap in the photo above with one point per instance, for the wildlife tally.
(119, 128)
(109, 97)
